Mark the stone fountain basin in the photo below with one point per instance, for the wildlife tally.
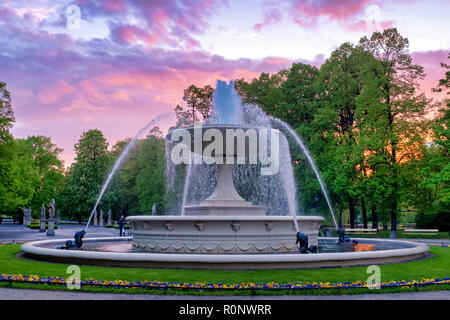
(45, 250)
(222, 129)
(221, 234)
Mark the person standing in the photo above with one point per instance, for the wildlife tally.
(121, 224)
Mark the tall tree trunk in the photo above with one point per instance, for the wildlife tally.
(351, 205)
(364, 213)
(20, 217)
(340, 217)
(394, 215)
(374, 217)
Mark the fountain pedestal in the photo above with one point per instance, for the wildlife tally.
(225, 201)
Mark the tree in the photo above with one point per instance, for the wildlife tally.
(117, 196)
(150, 183)
(431, 177)
(87, 174)
(7, 118)
(48, 167)
(392, 128)
(27, 176)
(8, 180)
(199, 104)
(335, 134)
(263, 91)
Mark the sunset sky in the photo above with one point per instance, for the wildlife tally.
(129, 61)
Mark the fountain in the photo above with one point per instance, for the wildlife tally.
(225, 222)
(238, 207)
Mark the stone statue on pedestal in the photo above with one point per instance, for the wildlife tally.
(51, 219)
(109, 222)
(51, 209)
(100, 221)
(43, 219)
(95, 218)
(26, 216)
(43, 212)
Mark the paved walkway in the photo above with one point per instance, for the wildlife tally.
(30, 294)
(16, 232)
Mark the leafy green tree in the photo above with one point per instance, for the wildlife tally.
(199, 104)
(87, 174)
(117, 196)
(140, 182)
(150, 183)
(27, 176)
(393, 126)
(7, 118)
(431, 174)
(49, 168)
(335, 134)
(8, 179)
(263, 91)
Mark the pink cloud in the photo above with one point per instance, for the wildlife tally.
(349, 13)
(306, 13)
(365, 26)
(62, 87)
(431, 61)
(157, 22)
(272, 16)
(54, 92)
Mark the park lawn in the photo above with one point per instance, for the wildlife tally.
(385, 234)
(436, 267)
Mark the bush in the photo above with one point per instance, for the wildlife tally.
(34, 226)
(440, 221)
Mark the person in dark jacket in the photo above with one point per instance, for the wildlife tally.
(121, 224)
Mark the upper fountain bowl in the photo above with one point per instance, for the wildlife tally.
(219, 141)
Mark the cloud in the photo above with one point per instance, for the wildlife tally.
(168, 22)
(272, 15)
(62, 86)
(54, 92)
(353, 15)
(431, 61)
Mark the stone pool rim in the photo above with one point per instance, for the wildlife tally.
(222, 261)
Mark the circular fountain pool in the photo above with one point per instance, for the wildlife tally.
(120, 252)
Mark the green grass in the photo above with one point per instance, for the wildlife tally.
(386, 234)
(436, 267)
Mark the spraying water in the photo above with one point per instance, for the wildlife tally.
(186, 185)
(226, 105)
(199, 180)
(120, 159)
(311, 162)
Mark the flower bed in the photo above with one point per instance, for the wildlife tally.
(220, 286)
(120, 284)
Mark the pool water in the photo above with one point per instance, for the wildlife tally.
(325, 246)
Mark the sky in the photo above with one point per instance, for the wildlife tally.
(114, 65)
